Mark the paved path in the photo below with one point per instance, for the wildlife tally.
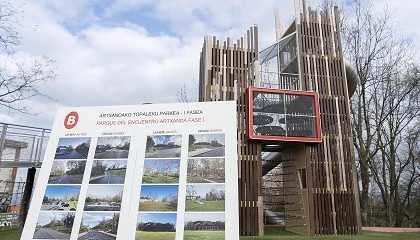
(65, 179)
(217, 152)
(165, 153)
(113, 153)
(389, 229)
(44, 233)
(108, 179)
(96, 235)
(71, 155)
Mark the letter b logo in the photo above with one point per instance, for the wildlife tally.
(71, 120)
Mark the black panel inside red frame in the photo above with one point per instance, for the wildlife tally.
(282, 115)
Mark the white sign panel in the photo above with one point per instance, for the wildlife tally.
(156, 171)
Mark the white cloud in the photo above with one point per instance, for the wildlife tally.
(124, 63)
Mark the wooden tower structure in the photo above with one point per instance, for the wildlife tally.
(292, 109)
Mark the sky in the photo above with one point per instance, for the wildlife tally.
(92, 219)
(118, 52)
(203, 189)
(61, 191)
(219, 137)
(103, 191)
(110, 163)
(161, 191)
(46, 217)
(157, 217)
(74, 142)
(204, 217)
(165, 139)
(113, 141)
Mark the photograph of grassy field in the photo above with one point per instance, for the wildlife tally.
(206, 226)
(158, 198)
(161, 171)
(152, 226)
(205, 197)
(206, 170)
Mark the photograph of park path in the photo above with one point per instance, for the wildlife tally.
(112, 147)
(206, 145)
(60, 198)
(204, 226)
(108, 172)
(158, 198)
(67, 172)
(104, 198)
(152, 226)
(54, 225)
(206, 170)
(161, 171)
(205, 197)
(163, 146)
(99, 225)
(72, 148)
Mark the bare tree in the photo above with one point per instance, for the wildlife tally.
(382, 107)
(19, 80)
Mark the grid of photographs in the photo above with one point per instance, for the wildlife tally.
(56, 218)
(102, 206)
(205, 188)
(158, 202)
(159, 190)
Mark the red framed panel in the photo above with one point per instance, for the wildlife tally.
(283, 115)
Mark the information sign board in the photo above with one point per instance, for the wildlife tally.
(155, 171)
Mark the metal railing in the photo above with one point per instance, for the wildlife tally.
(22, 146)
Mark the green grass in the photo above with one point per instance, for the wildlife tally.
(280, 233)
(204, 235)
(196, 180)
(117, 173)
(206, 206)
(271, 233)
(142, 235)
(160, 179)
(10, 234)
(157, 206)
(202, 180)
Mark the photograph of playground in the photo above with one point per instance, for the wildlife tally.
(205, 197)
(204, 226)
(99, 225)
(151, 226)
(161, 171)
(163, 146)
(104, 198)
(108, 172)
(72, 148)
(206, 170)
(206, 145)
(158, 198)
(60, 198)
(67, 172)
(112, 147)
(54, 225)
